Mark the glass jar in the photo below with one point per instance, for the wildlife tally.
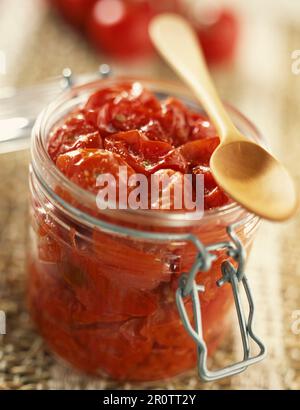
(102, 286)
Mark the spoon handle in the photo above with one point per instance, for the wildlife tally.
(176, 41)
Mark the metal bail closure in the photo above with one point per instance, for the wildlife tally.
(234, 276)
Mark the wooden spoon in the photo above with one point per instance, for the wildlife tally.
(245, 170)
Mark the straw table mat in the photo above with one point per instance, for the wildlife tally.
(274, 273)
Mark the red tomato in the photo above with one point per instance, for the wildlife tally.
(215, 198)
(199, 152)
(175, 360)
(48, 233)
(143, 155)
(154, 131)
(120, 28)
(174, 121)
(164, 326)
(131, 265)
(201, 127)
(74, 11)
(117, 349)
(49, 290)
(219, 39)
(105, 95)
(48, 249)
(169, 197)
(106, 298)
(124, 107)
(83, 166)
(127, 91)
(125, 116)
(100, 296)
(78, 131)
(209, 181)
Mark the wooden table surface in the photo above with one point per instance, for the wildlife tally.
(261, 83)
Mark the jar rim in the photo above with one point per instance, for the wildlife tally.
(46, 170)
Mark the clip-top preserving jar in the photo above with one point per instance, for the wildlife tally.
(106, 288)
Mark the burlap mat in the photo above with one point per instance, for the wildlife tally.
(273, 270)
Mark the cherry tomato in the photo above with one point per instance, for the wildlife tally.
(107, 298)
(108, 94)
(215, 198)
(83, 166)
(199, 152)
(74, 11)
(169, 197)
(124, 107)
(143, 155)
(48, 234)
(147, 274)
(124, 116)
(219, 38)
(174, 121)
(51, 291)
(201, 127)
(164, 326)
(127, 91)
(117, 349)
(78, 131)
(209, 181)
(120, 28)
(153, 130)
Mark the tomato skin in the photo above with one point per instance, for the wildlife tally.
(174, 121)
(142, 155)
(102, 297)
(48, 249)
(209, 181)
(199, 152)
(147, 274)
(124, 116)
(219, 39)
(200, 127)
(90, 140)
(105, 95)
(120, 28)
(215, 199)
(78, 131)
(168, 197)
(83, 166)
(124, 107)
(75, 12)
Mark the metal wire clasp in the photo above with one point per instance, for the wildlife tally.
(232, 275)
(68, 79)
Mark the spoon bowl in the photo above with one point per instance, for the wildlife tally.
(246, 171)
(255, 179)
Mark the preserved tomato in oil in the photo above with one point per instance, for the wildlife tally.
(127, 123)
(103, 301)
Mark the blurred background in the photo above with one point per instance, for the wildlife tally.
(253, 50)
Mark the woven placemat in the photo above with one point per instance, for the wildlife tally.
(25, 362)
